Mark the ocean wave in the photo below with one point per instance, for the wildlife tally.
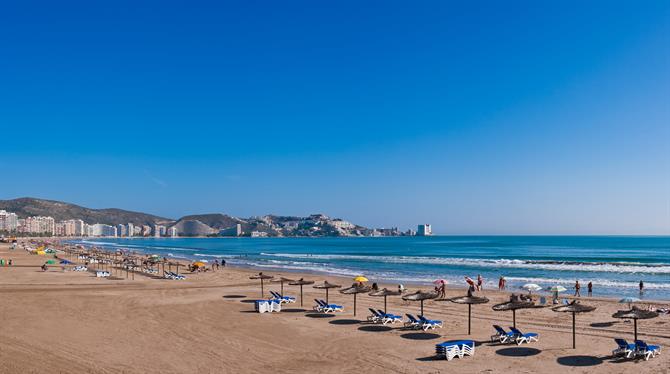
(609, 267)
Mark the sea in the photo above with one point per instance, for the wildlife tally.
(614, 264)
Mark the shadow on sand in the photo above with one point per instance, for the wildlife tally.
(248, 301)
(602, 324)
(319, 315)
(579, 360)
(518, 352)
(345, 322)
(234, 296)
(419, 336)
(293, 310)
(375, 328)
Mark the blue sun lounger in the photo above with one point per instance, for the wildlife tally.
(388, 317)
(645, 350)
(524, 338)
(429, 323)
(455, 348)
(284, 299)
(374, 317)
(327, 308)
(412, 322)
(624, 348)
(501, 335)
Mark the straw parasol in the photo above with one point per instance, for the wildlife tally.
(574, 307)
(281, 281)
(513, 305)
(385, 292)
(468, 299)
(420, 296)
(262, 277)
(300, 282)
(326, 286)
(355, 290)
(635, 313)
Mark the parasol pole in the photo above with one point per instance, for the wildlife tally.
(301, 295)
(355, 305)
(574, 345)
(385, 303)
(469, 316)
(514, 318)
(635, 324)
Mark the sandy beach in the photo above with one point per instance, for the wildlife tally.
(73, 322)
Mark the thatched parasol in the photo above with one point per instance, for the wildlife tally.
(420, 296)
(355, 290)
(513, 305)
(385, 292)
(574, 307)
(282, 280)
(635, 313)
(326, 286)
(262, 277)
(469, 300)
(300, 282)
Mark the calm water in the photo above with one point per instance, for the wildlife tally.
(615, 265)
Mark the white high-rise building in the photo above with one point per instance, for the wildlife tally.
(172, 232)
(131, 229)
(8, 221)
(424, 230)
(120, 230)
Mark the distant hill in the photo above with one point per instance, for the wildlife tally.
(214, 220)
(28, 206)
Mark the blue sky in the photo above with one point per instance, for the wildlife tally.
(486, 118)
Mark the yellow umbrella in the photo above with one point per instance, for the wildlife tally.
(360, 278)
(199, 264)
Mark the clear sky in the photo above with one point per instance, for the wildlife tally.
(493, 117)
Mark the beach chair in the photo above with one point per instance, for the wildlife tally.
(645, 350)
(275, 305)
(624, 348)
(284, 299)
(412, 322)
(429, 323)
(524, 338)
(501, 335)
(262, 306)
(455, 348)
(374, 317)
(329, 308)
(388, 317)
(318, 307)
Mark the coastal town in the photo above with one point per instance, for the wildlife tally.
(206, 225)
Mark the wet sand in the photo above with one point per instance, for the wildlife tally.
(71, 322)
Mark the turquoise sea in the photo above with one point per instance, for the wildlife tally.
(614, 264)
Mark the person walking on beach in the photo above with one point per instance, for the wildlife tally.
(223, 263)
(500, 283)
(480, 282)
(641, 287)
(589, 287)
(577, 287)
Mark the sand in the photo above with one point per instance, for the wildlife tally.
(69, 322)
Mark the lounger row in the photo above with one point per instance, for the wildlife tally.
(267, 306)
(513, 336)
(378, 316)
(282, 299)
(323, 307)
(422, 323)
(175, 276)
(637, 349)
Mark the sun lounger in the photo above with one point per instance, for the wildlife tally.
(275, 305)
(102, 274)
(624, 348)
(524, 338)
(645, 350)
(374, 316)
(429, 323)
(284, 299)
(455, 348)
(388, 317)
(412, 322)
(501, 335)
(324, 307)
(262, 306)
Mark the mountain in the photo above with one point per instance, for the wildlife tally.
(214, 220)
(28, 206)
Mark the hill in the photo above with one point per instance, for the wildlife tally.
(28, 206)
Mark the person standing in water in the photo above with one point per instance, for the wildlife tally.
(577, 287)
(641, 287)
(480, 282)
(589, 287)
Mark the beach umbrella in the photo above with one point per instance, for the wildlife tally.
(51, 262)
(530, 287)
(385, 292)
(635, 313)
(65, 262)
(439, 282)
(574, 308)
(558, 288)
(420, 296)
(513, 305)
(281, 281)
(469, 300)
(262, 277)
(199, 264)
(360, 279)
(355, 290)
(629, 300)
(300, 282)
(326, 286)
